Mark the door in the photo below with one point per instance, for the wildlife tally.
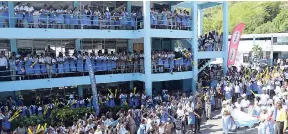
(138, 47)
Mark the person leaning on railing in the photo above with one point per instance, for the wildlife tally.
(3, 67)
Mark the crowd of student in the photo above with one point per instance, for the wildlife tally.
(91, 17)
(268, 87)
(211, 41)
(33, 66)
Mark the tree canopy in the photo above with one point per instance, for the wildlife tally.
(259, 17)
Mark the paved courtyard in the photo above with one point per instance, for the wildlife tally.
(214, 126)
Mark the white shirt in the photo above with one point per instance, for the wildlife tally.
(237, 89)
(238, 106)
(264, 98)
(18, 8)
(3, 62)
(245, 103)
(180, 112)
(28, 9)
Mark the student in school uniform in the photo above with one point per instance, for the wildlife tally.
(178, 19)
(114, 61)
(72, 61)
(18, 9)
(42, 64)
(43, 18)
(66, 63)
(96, 16)
(105, 63)
(170, 19)
(154, 15)
(154, 65)
(141, 63)
(184, 20)
(160, 63)
(20, 66)
(188, 20)
(79, 63)
(129, 62)
(85, 17)
(117, 17)
(60, 61)
(109, 64)
(135, 61)
(166, 62)
(36, 67)
(28, 62)
(13, 67)
(107, 18)
(67, 17)
(75, 19)
(52, 17)
(98, 62)
(60, 17)
(133, 22)
(29, 10)
(52, 65)
(5, 14)
(124, 20)
(164, 18)
(171, 63)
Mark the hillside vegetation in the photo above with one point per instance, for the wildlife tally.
(259, 17)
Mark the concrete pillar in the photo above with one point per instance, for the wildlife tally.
(271, 51)
(129, 5)
(200, 21)
(13, 46)
(80, 90)
(147, 48)
(130, 49)
(11, 14)
(78, 44)
(194, 45)
(225, 36)
(76, 4)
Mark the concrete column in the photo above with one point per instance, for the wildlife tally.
(13, 46)
(194, 45)
(200, 21)
(78, 44)
(80, 90)
(129, 5)
(271, 51)
(130, 49)
(130, 46)
(11, 14)
(75, 3)
(147, 48)
(225, 36)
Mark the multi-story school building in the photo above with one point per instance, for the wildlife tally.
(131, 44)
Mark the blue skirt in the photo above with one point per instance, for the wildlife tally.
(43, 68)
(191, 119)
(37, 68)
(29, 18)
(5, 16)
(75, 20)
(53, 68)
(95, 21)
(72, 66)
(66, 66)
(43, 18)
(80, 66)
(20, 16)
(67, 19)
(60, 68)
(60, 19)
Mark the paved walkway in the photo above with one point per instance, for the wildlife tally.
(214, 126)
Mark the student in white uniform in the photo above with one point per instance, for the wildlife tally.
(19, 12)
(29, 15)
(245, 103)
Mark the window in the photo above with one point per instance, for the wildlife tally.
(245, 58)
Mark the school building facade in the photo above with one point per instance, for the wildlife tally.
(14, 39)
